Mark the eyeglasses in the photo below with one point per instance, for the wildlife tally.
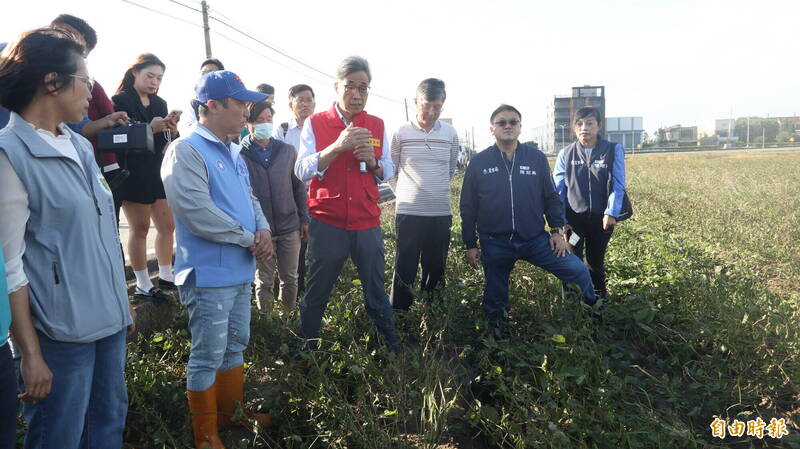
(89, 81)
(352, 88)
(302, 100)
(503, 123)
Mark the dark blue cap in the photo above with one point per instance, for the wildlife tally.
(223, 84)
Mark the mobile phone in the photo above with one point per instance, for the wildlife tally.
(574, 238)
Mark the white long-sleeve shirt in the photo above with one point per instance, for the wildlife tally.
(307, 165)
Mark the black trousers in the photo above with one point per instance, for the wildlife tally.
(301, 267)
(419, 239)
(8, 399)
(592, 246)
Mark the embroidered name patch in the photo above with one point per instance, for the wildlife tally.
(374, 142)
(487, 171)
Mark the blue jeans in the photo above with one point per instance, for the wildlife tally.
(88, 401)
(219, 321)
(498, 256)
(329, 248)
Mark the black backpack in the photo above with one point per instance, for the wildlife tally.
(626, 211)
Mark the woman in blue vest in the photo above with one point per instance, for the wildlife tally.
(581, 175)
(63, 258)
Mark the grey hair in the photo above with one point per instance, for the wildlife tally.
(353, 64)
(431, 89)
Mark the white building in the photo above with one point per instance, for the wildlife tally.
(625, 130)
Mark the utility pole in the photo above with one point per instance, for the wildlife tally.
(473, 140)
(730, 123)
(763, 135)
(207, 30)
(748, 132)
(405, 102)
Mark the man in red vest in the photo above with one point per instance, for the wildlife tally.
(345, 153)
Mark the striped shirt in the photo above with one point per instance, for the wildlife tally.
(425, 163)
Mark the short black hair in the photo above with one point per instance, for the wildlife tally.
(80, 25)
(265, 88)
(431, 89)
(586, 112)
(26, 62)
(502, 108)
(214, 61)
(255, 109)
(297, 88)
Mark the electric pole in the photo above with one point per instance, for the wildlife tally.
(748, 132)
(405, 102)
(206, 29)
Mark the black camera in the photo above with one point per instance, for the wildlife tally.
(133, 137)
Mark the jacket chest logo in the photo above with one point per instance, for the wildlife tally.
(577, 162)
(489, 171)
(220, 166)
(526, 170)
(374, 142)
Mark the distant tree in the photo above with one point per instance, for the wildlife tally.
(531, 143)
(784, 136)
(646, 139)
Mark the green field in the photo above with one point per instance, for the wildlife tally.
(703, 323)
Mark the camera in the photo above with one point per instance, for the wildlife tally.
(133, 137)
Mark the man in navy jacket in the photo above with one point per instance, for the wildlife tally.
(507, 192)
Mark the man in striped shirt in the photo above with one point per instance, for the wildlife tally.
(425, 152)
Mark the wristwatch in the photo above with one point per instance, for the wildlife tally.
(558, 231)
(377, 164)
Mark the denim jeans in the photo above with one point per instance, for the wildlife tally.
(88, 400)
(8, 399)
(498, 256)
(219, 321)
(329, 248)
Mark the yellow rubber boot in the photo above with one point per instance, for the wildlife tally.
(203, 408)
(230, 390)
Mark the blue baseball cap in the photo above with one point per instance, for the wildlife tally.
(223, 84)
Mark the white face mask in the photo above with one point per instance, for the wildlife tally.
(262, 131)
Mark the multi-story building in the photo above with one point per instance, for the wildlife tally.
(625, 130)
(677, 136)
(561, 113)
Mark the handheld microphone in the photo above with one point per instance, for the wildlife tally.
(362, 167)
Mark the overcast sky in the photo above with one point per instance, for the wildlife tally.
(672, 62)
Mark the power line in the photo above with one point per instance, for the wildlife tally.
(298, 61)
(255, 39)
(230, 39)
(163, 14)
(276, 50)
(186, 6)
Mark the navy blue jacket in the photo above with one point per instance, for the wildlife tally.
(583, 184)
(488, 189)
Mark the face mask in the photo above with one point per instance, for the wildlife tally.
(262, 131)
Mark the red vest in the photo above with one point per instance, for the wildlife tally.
(344, 197)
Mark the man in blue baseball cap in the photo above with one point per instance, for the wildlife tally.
(220, 233)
